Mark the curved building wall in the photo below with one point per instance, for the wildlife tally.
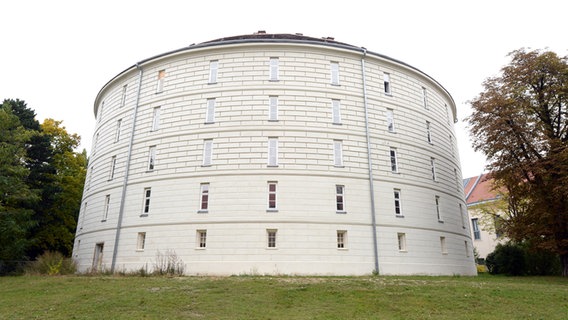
(248, 174)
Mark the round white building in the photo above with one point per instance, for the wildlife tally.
(275, 154)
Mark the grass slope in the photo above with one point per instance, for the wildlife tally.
(247, 297)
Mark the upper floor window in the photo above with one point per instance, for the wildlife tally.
(337, 153)
(334, 66)
(210, 112)
(390, 120)
(160, 82)
(146, 204)
(117, 133)
(151, 158)
(393, 160)
(397, 202)
(156, 119)
(273, 108)
(112, 167)
(475, 228)
(438, 211)
(272, 195)
(123, 97)
(272, 152)
(106, 207)
(335, 111)
(386, 81)
(425, 97)
(273, 69)
(428, 132)
(463, 215)
(207, 152)
(100, 117)
(204, 198)
(340, 198)
(213, 68)
(433, 168)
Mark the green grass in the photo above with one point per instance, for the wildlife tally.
(250, 297)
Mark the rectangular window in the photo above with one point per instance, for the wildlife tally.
(100, 117)
(123, 98)
(273, 108)
(425, 97)
(272, 152)
(443, 245)
(213, 68)
(112, 167)
(271, 238)
(273, 69)
(106, 207)
(386, 81)
(272, 195)
(397, 202)
(451, 142)
(96, 142)
(141, 243)
(466, 248)
(393, 160)
(151, 158)
(438, 211)
(207, 152)
(117, 132)
(338, 153)
(201, 238)
(156, 119)
(341, 239)
(401, 242)
(428, 132)
(334, 66)
(475, 228)
(447, 112)
(335, 111)
(463, 215)
(340, 198)
(146, 207)
(160, 83)
(204, 198)
(390, 120)
(83, 216)
(210, 112)
(433, 168)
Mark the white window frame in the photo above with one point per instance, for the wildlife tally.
(213, 71)
(425, 97)
(336, 111)
(433, 169)
(340, 198)
(106, 208)
(273, 108)
(386, 83)
(272, 196)
(342, 239)
(273, 69)
(156, 119)
(141, 241)
(429, 132)
(338, 153)
(438, 209)
(443, 245)
(151, 158)
(271, 238)
(393, 160)
(160, 81)
(117, 132)
(334, 73)
(204, 198)
(112, 167)
(123, 97)
(201, 241)
(475, 229)
(210, 111)
(397, 202)
(146, 204)
(390, 121)
(401, 239)
(272, 152)
(207, 152)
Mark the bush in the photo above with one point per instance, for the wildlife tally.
(518, 259)
(52, 263)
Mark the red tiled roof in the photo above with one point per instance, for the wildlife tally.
(478, 189)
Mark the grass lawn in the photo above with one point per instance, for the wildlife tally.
(249, 297)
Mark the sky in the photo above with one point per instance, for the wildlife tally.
(56, 55)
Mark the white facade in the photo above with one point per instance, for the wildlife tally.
(251, 155)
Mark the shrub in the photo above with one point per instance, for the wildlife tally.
(52, 263)
(518, 259)
(168, 264)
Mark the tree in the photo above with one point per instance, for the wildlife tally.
(520, 122)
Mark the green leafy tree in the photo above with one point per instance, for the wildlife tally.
(520, 122)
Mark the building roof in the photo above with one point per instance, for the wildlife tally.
(263, 36)
(479, 189)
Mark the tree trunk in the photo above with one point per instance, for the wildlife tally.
(564, 264)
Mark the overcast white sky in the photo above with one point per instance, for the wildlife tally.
(57, 54)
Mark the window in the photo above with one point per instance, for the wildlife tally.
(160, 83)
(451, 141)
(386, 81)
(393, 160)
(425, 97)
(272, 195)
(106, 207)
(428, 132)
(463, 215)
(433, 168)
(96, 142)
(438, 212)
(397, 202)
(146, 205)
(335, 111)
(340, 198)
(273, 69)
(123, 98)
(475, 228)
(210, 112)
(112, 167)
(100, 117)
(443, 245)
(83, 216)
(156, 119)
(90, 173)
(334, 66)
(151, 158)
(207, 152)
(271, 237)
(202, 239)
(341, 239)
(338, 153)
(401, 242)
(204, 198)
(390, 120)
(466, 248)
(458, 180)
(213, 68)
(272, 152)
(140, 244)
(447, 112)
(273, 108)
(117, 133)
